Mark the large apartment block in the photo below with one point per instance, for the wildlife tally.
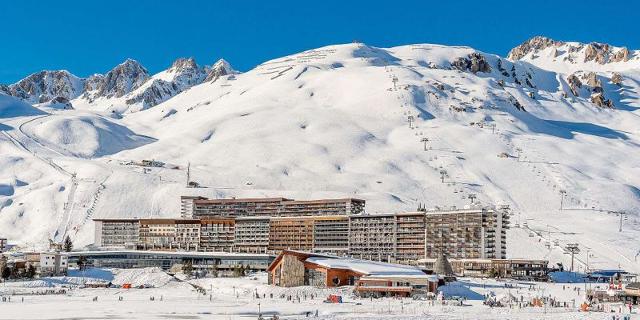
(410, 236)
(331, 226)
(469, 233)
(117, 233)
(201, 208)
(169, 234)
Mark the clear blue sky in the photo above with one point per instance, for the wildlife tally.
(88, 37)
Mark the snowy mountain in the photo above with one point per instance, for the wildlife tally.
(183, 74)
(44, 86)
(398, 127)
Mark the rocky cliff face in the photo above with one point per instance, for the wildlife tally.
(44, 86)
(122, 79)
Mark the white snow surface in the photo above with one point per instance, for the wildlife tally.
(235, 298)
(334, 122)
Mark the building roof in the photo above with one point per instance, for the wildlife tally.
(369, 268)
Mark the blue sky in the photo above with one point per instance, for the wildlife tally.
(88, 37)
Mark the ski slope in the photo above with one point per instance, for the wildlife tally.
(397, 127)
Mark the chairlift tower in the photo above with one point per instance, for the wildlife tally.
(573, 249)
(411, 119)
(425, 140)
(443, 174)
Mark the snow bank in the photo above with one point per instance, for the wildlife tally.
(154, 277)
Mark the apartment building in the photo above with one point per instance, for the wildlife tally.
(328, 234)
(410, 236)
(251, 235)
(200, 207)
(117, 233)
(468, 233)
(169, 234)
(331, 235)
(217, 235)
(372, 237)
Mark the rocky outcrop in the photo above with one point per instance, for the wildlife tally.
(532, 45)
(474, 62)
(621, 55)
(219, 69)
(603, 53)
(592, 80)
(122, 79)
(62, 103)
(616, 79)
(599, 100)
(574, 84)
(45, 85)
(596, 51)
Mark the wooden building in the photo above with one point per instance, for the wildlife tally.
(297, 268)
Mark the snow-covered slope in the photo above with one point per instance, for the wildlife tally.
(399, 127)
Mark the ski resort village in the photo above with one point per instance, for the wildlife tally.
(348, 181)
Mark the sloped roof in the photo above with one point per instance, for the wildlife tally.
(369, 268)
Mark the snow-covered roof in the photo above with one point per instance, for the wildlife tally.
(369, 268)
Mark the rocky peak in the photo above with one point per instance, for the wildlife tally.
(186, 72)
(603, 53)
(183, 64)
(45, 85)
(534, 45)
(183, 74)
(220, 68)
(123, 79)
(473, 62)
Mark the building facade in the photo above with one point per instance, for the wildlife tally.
(469, 233)
(271, 225)
(252, 235)
(217, 235)
(52, 264)
(372, 237)
(169, 234)
(201, 208)
(520, 269)
(117, 233)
